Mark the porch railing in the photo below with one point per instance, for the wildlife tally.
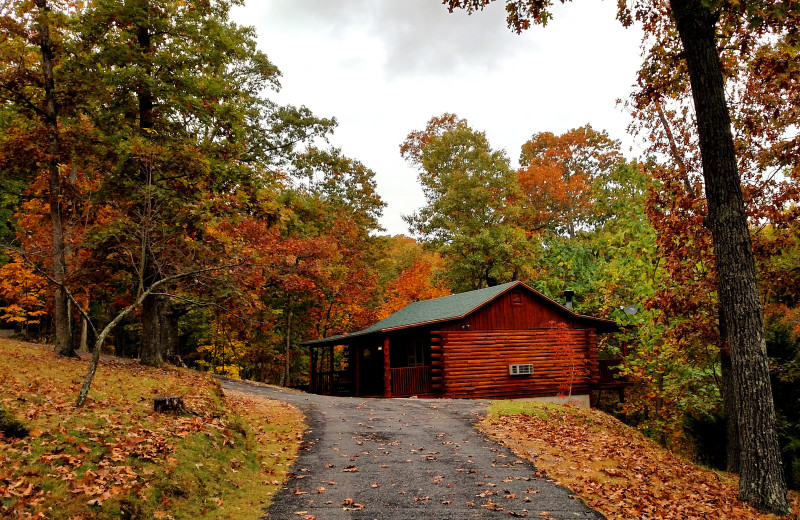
(411, 380)
(331, 383)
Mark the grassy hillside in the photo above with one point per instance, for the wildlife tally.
(613, 468)
(115, 458)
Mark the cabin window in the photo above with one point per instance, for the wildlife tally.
(516, 298)
(416, 355)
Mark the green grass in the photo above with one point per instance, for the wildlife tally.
(514, 407)
(115, 458)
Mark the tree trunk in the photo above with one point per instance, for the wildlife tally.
(761, 478)
(159, 330)
(159, 334)
(732, 449)
(84, 341)
(286, 373)
(63, 345)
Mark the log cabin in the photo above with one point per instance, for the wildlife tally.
(506, 341)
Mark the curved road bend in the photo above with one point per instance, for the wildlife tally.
(398, 459)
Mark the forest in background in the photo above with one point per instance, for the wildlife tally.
(154, 197)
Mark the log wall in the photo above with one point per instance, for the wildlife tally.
(474, 364)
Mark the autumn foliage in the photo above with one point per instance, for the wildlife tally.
(414, 283)
(575, 366)
(25, 292)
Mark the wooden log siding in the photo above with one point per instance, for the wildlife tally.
(475, 364)
(503, 314)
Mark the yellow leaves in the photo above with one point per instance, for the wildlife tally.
(26, 292)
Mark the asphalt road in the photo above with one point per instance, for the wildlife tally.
(398, 459)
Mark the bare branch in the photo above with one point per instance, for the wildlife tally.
(673, 147)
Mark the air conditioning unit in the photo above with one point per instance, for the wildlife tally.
(520, 370)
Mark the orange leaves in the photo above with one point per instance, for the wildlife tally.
(106, 482)
(19, 488)
(351, 505)
(557, 177)
(616, 470)
(415, 283)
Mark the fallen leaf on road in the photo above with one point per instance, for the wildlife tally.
(351, 505)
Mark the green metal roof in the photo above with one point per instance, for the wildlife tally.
(439, 309)
(444, 309)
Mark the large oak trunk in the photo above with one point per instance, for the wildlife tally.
(63, 344)
(761, 478)
(159, 331)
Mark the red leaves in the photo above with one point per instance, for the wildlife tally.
(573, 363)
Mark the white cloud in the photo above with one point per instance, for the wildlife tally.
(417, 36)
(384, 67)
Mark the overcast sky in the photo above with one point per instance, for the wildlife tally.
(383, 68)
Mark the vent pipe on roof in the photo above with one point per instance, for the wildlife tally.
(568, 298)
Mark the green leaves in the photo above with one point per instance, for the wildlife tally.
(470, 191)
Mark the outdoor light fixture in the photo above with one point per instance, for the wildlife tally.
(380, 348)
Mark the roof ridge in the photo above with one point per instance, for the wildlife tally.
(444, 308)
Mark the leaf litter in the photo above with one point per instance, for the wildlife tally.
(617, 471)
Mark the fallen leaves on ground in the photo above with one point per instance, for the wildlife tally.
(617, 471)
(98, 460)
(351, 505)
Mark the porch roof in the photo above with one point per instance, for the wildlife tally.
(448, 308)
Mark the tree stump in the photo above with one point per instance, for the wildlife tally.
(168, 403)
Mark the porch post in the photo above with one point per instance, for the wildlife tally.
(311, 369)
(387, 373)
(331, 377)
(357, 353)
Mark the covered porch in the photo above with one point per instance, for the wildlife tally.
(375, 366)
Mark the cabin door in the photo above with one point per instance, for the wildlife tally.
(371, 370)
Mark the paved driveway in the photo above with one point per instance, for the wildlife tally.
(415, 459)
